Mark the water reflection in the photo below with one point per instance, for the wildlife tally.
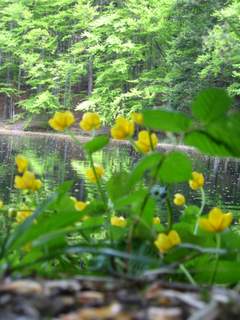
(56, 159)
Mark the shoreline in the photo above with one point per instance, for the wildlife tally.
(82, 138)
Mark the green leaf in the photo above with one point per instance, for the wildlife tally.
(227, 129)
(149, 162)
(166, 120)
(176, 167)
(207, 144)
(117, 185)
(227, 272)
(210, 104)
(96, 143)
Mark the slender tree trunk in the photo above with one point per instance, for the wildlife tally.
(90, 77)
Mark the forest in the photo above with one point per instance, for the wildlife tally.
(115, 57)
(122, 202)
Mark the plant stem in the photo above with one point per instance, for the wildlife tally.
(218, 246)
(99, 186)
(203, 202)
(187, 274)
(170, 213)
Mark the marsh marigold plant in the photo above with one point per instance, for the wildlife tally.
(120, 222)
(216, 221)
(62, 120)
(179, 199)
(22, 163)
(28, 181)
(93, 176)
(90, 121)
(197, 180)
(122, 129)
(165, 242)
(146, 141)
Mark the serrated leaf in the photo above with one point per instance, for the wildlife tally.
(176, 167)
(207, 144)
(166, 120)
(210, 104)
(96, 143)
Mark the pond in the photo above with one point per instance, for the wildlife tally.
(56, 159)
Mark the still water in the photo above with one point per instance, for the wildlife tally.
(56, 159)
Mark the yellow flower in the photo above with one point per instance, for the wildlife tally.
(27, 247)
(197, 180)
(179, 199)
(122, 129)
(216, 220)
(90, 121)
(156, 220)
(120, 222)
(27, 181)
(22, 163)
(91, 175)
(79, 205)
(23, 215)
(137, 117)
(145, 143)
(62, 120)
(1, 204)
(165, 242)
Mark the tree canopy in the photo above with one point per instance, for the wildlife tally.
(115, 56)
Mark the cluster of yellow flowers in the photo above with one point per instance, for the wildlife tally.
(96, 174)
(216, 220)
(23, 215)
(63, 120)
(27, 181)
(122, 129)
(197, 181)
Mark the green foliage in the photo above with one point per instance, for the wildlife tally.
(114, 58)
(58, 230)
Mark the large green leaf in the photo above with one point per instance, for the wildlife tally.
(176, 167)
(227, 272)
(149, 162)
(117, 186)
(207, 144)
(211, 104)
(96, 143)
(166, 120)
(227, 129)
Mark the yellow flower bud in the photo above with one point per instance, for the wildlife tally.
(123, 129)
(90, 121)
(156, 220)
(90, 175)
(137, 117)
(165, 242)
(146, 141)
(23, 215)
(179, 199)
(62, 120)
(27, 181)
(120, 222)
(216, 221)
(197, 181)
(22, 163)
(79, 205)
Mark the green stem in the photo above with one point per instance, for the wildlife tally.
(200, 210)
(150, 139)
(187, 274)
(170, 213)
(218, 247)
(99, 186)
